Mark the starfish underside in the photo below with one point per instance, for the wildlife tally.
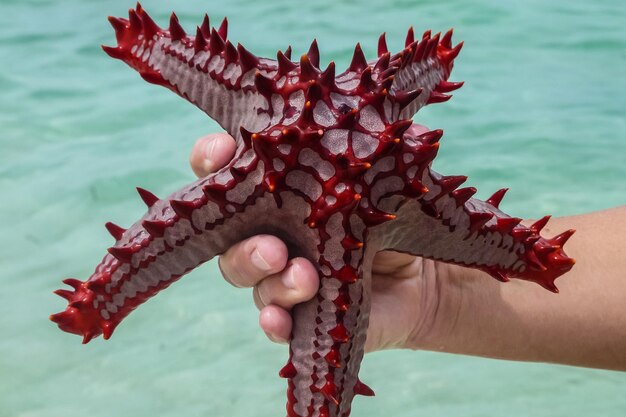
(326, 162)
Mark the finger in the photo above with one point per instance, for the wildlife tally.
(276, 323)
(297, 283)
(211, 152)
(249, 261)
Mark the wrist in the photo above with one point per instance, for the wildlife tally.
(448, 291)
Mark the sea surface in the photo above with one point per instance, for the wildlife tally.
(543, 111)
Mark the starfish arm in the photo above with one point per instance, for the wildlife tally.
(329, 331)
(177, 234)
(206, 69)
(420, 73)
(446, 224)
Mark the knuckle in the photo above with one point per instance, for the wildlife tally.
(263, 293)
(257, 299)
(230, 269)
(306, 279)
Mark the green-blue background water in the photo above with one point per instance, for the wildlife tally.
(542, 111)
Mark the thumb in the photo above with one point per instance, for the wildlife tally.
(211, 152)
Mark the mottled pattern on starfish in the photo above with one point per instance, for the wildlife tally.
(326, 162)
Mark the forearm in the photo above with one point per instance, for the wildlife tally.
(584, 325)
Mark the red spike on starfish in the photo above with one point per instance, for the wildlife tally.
(506, 224)
(248, 59)
(121, 253)
(314, 54)
(97, 285)
(68, 295)
(359, 63)
(410, 37)
(205, 27)
(329, 390)
(342, 302)
(333, 358)
(452, 182)
(223, 29)
(200, 43)
(176, 30)
(544, 247)
(184, 209)
(284, 64)
(120, 26)
(147, 197)
(230, 53)
(107, 329)
(216, 42)
(366, 81)
(446, 41)
(308, 71)
(448, 56)
(404, 98)
(563, 237)
(347, 275)
(62, 318)
(115, 230)
(156, 228)
(497, 197)
(327, 77)
(288, 52)
(150, 28)
(288, 371)
(436, 97)
(361, 389)
(373, 217)
(87, 337)
(135, 21)
(114, 52)
(264, 85)
(339, 333)
(383, 62)
(447, 86)
(73, 282)
(463, 194)
(418, 55)
(478, 220)
(382, 45)
(540, 224)
(431, 137)
(153, 78)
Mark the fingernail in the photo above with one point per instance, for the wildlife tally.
(208, 154)
(289, 278)
(276, 339)
(259, 261)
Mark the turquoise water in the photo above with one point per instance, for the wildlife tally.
(542, 111)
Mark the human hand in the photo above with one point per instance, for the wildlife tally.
(404, 288)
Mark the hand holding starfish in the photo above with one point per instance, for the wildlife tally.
(422, 304)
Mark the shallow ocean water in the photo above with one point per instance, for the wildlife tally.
(543, 111)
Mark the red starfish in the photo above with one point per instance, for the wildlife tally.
(326, 162)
